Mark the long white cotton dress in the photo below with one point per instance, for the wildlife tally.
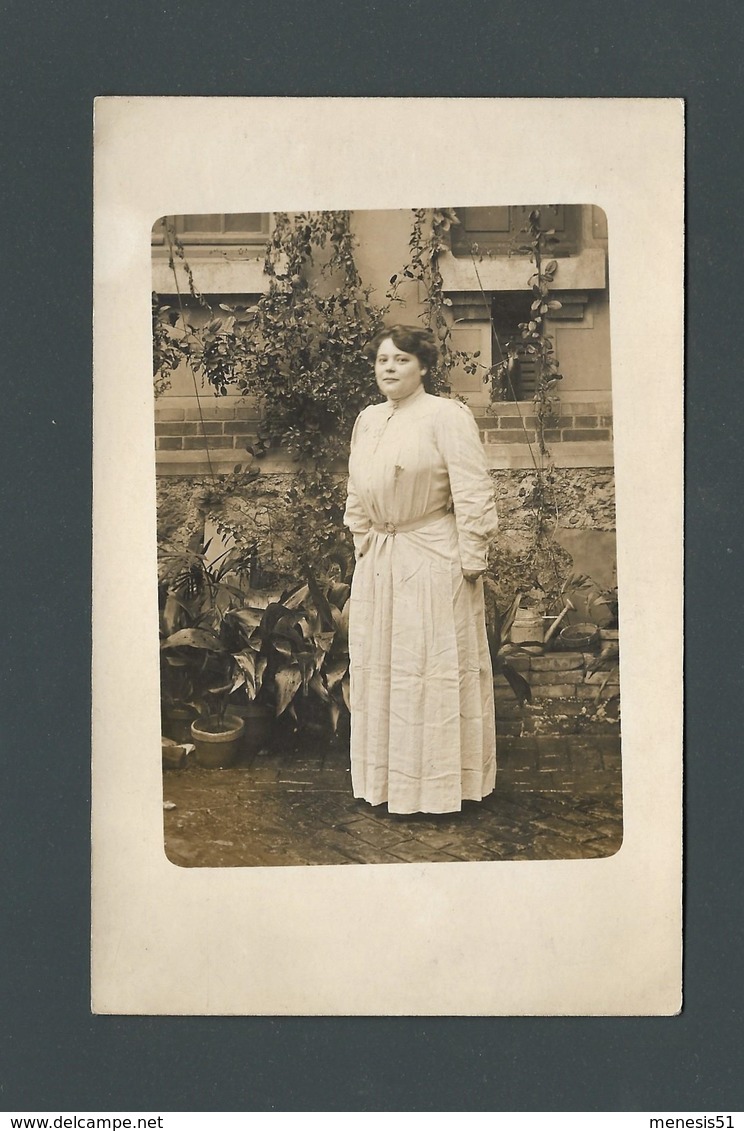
(422, 712)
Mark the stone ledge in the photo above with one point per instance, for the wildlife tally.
(499, 457)
(216, 276)
(557, 661)
(585, 271)
(502, 457)
(223, 460)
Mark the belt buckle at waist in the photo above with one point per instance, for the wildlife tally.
(389, 528)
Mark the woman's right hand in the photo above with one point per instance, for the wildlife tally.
(361, 544)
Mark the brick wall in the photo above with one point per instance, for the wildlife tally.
(577, 423)
(231, 422)
(180, 425)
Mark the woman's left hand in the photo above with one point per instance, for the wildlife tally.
(472, 574)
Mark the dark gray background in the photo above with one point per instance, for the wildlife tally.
(56, 57)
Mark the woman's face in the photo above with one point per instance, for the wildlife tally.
(398, 373)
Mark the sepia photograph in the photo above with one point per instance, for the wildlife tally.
(387, 575)
(387, 666)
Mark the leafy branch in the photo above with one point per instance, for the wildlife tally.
(535, 342)
(429, 239)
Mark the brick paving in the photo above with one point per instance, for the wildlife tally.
(558, 796)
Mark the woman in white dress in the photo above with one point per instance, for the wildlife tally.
(421, 510)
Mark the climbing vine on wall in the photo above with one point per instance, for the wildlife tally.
(429, 240)
(535, 342)
(305, 343)
(300, 350)
(306, 364)
(543, 563)
(167, 350)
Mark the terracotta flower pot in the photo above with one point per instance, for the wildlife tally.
(258, 722)
(217, 743)
(177, 723)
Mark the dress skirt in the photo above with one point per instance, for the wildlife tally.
(422, 713)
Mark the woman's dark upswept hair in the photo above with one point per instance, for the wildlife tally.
(413, 340)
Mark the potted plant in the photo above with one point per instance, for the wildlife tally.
(177, 710)
(239, 662)
(295, 658)
(322, 609)
(205, 644)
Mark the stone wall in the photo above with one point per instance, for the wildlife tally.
(586, 498)
(583, 526)
(255, 510)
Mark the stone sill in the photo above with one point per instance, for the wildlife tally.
(502, 457)
(223, 460)
(214, 277)
(585, 271)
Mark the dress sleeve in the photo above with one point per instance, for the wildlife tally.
(470, 484)
(355, 516)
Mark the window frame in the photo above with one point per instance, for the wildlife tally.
(213, 237)
(503, 241)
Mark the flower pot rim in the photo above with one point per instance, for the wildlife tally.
(233, 727)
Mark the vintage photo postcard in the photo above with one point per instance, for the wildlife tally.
(387, 563)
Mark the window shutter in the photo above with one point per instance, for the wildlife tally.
(499, 230)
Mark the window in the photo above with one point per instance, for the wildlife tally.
(215, 228)
(499, 230)
(508, 309)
